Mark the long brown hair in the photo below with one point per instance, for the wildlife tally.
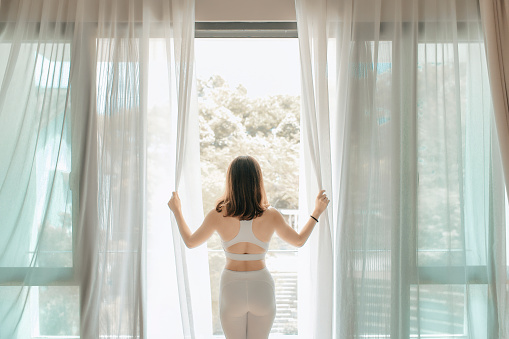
(244, 196)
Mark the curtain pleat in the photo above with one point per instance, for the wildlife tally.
(495, 19)
(495, 15)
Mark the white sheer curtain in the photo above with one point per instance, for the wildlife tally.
(417, 184)
(97, 129)
(315, 293)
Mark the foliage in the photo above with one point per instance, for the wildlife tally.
(267, 128)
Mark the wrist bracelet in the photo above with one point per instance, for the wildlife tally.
(314, 218)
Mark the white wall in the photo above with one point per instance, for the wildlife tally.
(245, 10)
(206, 10)
(239, 10)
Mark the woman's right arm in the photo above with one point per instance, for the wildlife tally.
(202, 233)
(288, 234)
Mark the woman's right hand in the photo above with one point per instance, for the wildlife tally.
(174, 203)
(321, 203)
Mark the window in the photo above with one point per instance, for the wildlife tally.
(249, 103)
(451, 171)
(455, 192)
(42, 125)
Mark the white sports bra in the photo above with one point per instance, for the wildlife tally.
(245, 235)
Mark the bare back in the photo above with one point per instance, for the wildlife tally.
(263, 228)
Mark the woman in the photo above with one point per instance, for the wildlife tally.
(245, 222)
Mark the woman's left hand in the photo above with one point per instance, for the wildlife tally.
(174, 203)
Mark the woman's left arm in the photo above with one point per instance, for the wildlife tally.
(201, 234)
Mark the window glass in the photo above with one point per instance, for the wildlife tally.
(454, 154)
(37, 179)
(455, 192)
(57, 310)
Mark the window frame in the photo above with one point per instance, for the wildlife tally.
(248, 30)
(44, 276)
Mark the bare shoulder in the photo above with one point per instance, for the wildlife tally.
(213, 214)
(270, 211)
(272, 214)
(213, 218)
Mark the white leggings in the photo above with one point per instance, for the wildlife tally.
(247, 304)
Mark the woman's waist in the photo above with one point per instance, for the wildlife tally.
(244, 266)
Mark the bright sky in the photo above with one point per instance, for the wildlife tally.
(263, 66)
